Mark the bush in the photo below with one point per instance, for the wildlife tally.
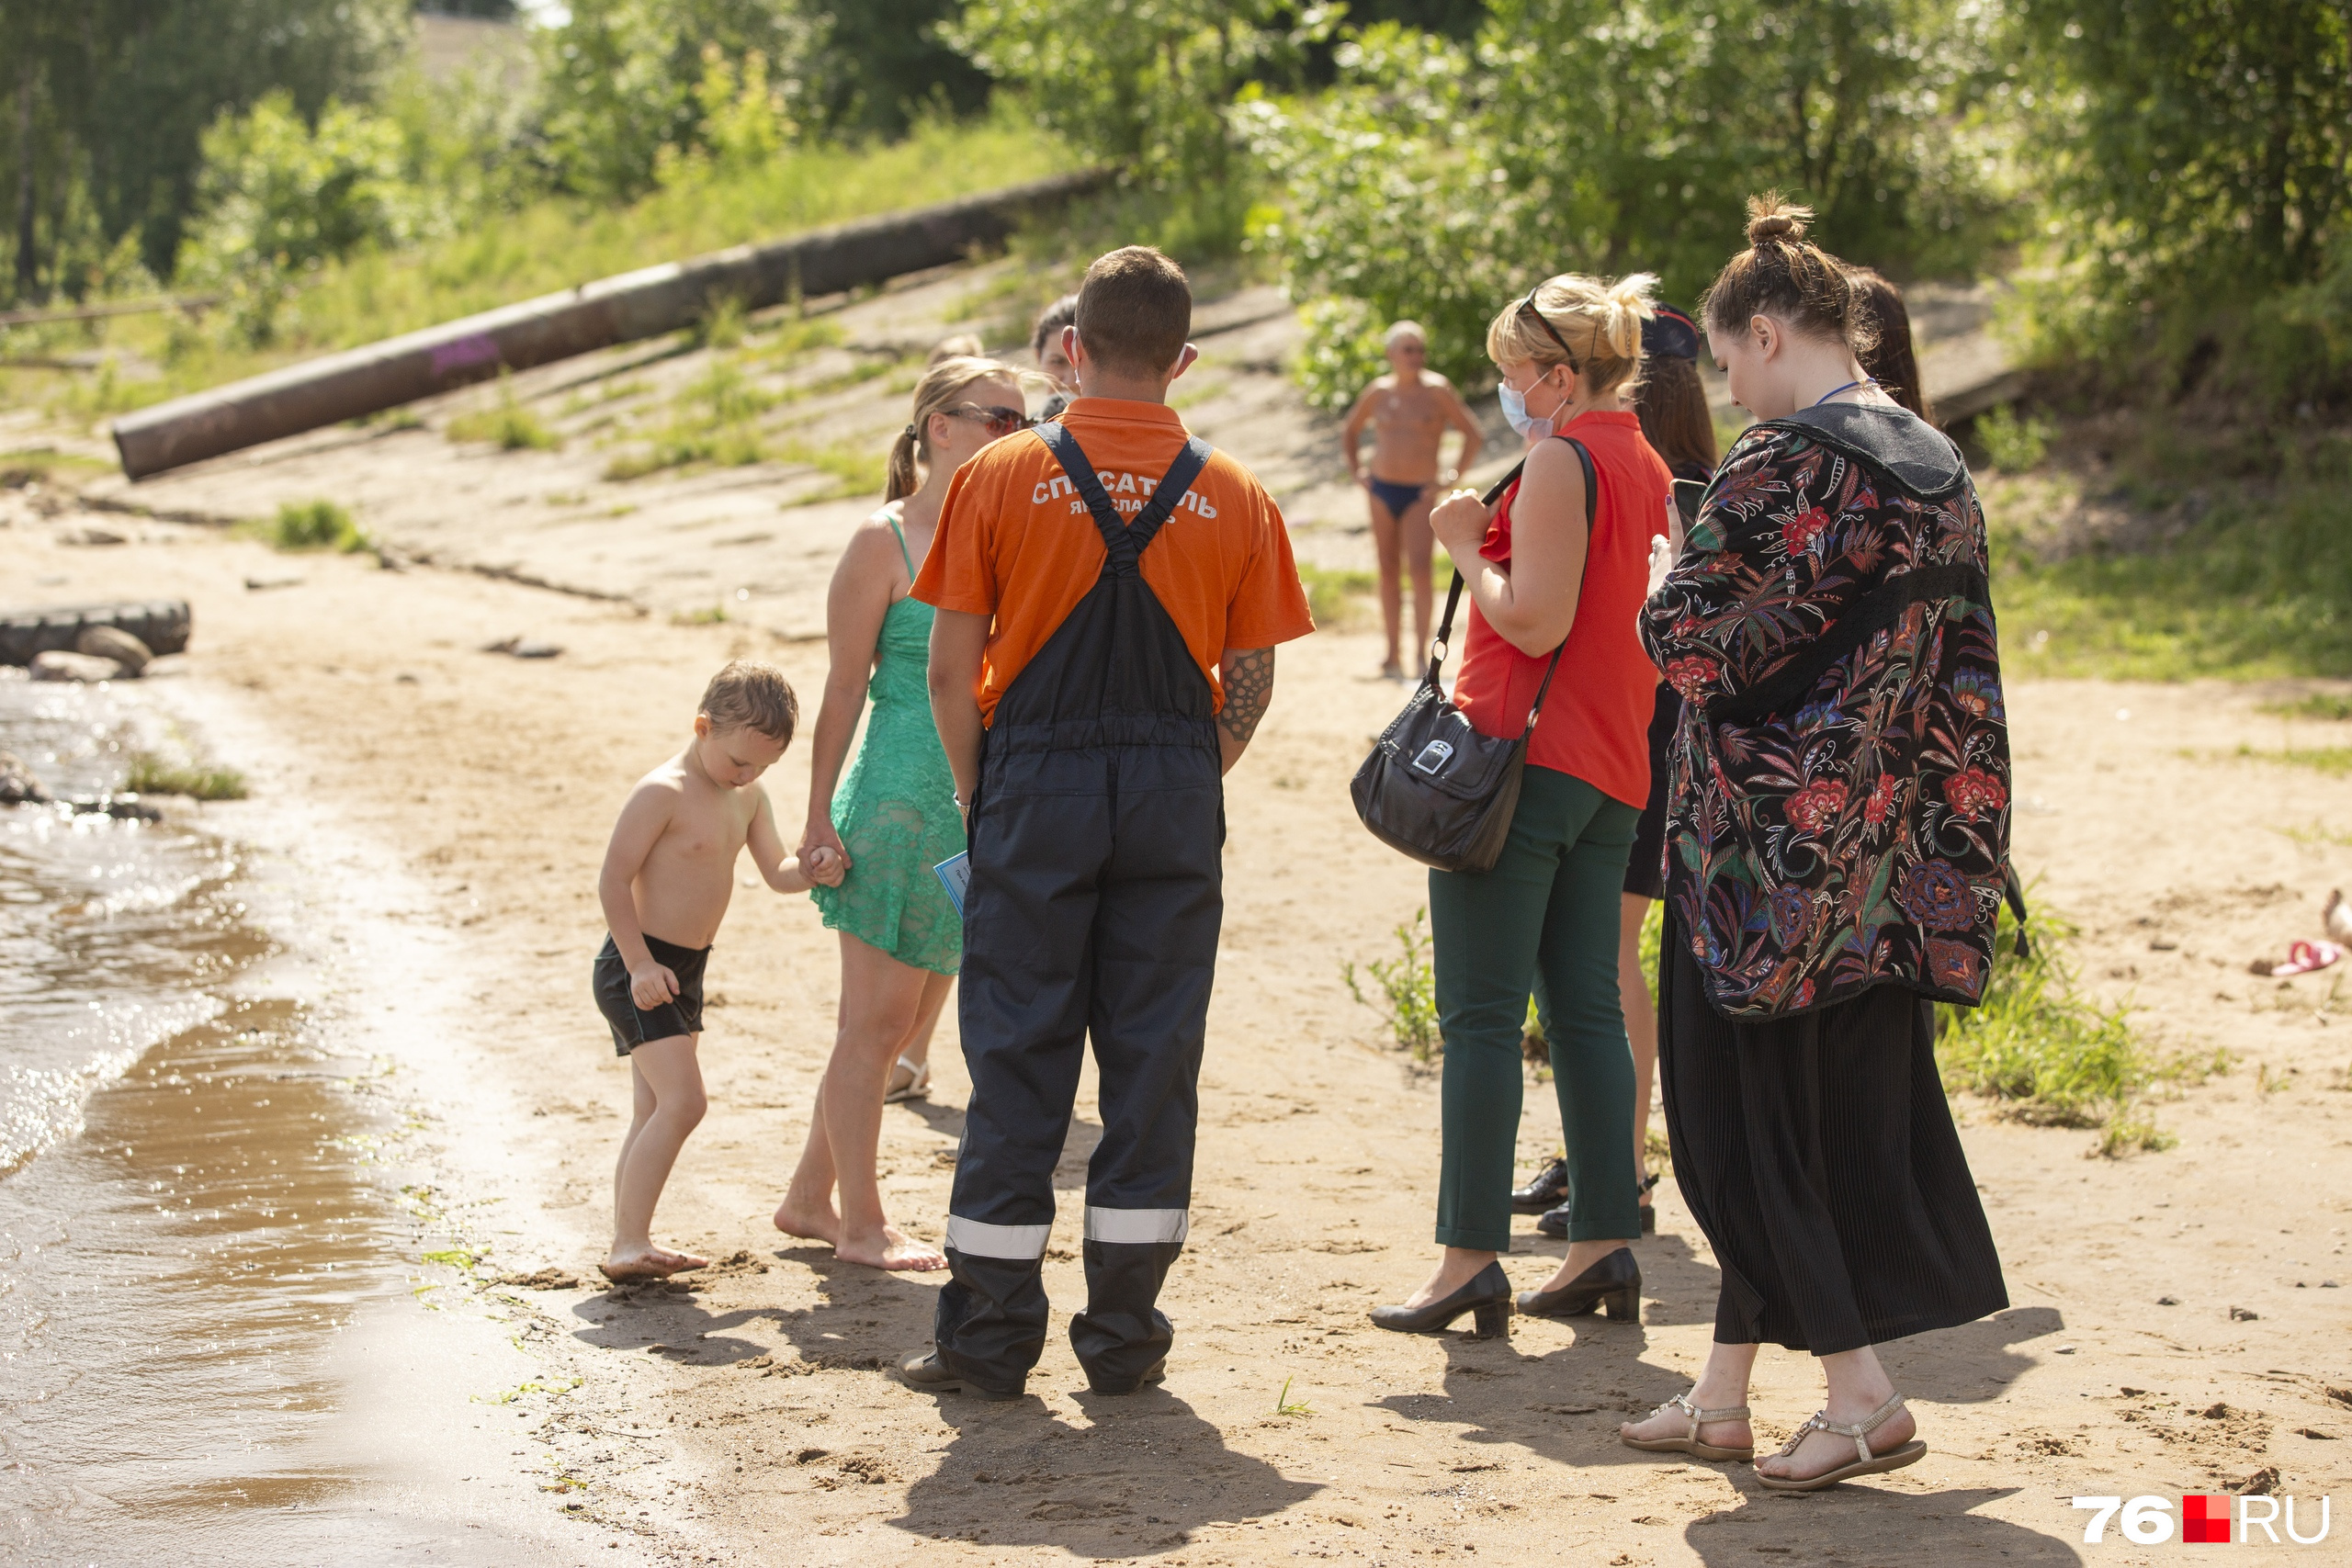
(2014, 443)
(150, 774)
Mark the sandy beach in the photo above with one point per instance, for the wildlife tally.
(2177, 1320)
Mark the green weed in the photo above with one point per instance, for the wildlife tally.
(506, 424)
(2050, 1056)
(1285, 1406)
(150, 774)
(2325, 706)
(2329, 760)
(857, 469)
(712, 616)
(1407, 987)
(2318, 833)
(314, 526)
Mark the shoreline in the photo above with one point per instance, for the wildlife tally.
(745, 1416)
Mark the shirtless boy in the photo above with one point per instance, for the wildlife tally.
(1410, 411)
(667, 875)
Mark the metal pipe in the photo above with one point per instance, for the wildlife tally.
(634, 305)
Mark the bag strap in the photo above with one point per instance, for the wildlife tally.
(1454, 594)
(1124, 540)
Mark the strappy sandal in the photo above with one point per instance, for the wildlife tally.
(1688, 1442)
(1865, 1462)
(918, 1086)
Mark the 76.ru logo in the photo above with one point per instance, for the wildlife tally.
(2207, 1520)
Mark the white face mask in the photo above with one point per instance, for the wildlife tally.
(1515, 412)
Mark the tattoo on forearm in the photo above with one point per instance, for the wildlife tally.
(1249, 687)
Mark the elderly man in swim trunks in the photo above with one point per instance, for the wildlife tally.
(1410, 411)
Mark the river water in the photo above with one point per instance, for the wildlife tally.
(188, 1215)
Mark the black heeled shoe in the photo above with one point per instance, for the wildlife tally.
(1487, 1297)
(1548, 1187)
(1613, 1284)
(1555, 1222)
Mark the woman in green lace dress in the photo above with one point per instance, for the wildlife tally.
(892, 819)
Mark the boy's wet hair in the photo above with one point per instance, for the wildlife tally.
(748, 694)
(1135, 312)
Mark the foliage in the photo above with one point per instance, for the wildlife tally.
(624, 79)
(1407, 987)
(2013, 442)
(314, 526)
(506, 424)
(150, 774)
(1437, 180)
(883, 65)
(1334, 594)
(1147, 83)
(2198, 154)
(118, 93)
(279, 196)
(2048, 1055)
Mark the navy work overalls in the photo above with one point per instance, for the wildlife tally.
(1096, 893)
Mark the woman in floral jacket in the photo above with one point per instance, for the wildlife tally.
(1837, 850)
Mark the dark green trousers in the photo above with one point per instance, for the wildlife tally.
(1548, 909)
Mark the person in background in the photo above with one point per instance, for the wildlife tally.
(962, 345)
(892, 819)
(1410, 411)
(1672, 406)
(1837, 833)
(1045, 343)
(1889, 356)
(1558, 566)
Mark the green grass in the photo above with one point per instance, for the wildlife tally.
(556, 243)
(2332, 761)
(313, 526)
(857, 467)
(2050, 1056)
(715, 615)
(1336, 597)
(150, 774)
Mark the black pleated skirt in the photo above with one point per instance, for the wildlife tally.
(1819, 1156)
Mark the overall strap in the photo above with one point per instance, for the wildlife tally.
(1124, 541)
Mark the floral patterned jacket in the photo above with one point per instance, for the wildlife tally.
(1838, 808)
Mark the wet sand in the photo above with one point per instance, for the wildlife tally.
(742, 1418)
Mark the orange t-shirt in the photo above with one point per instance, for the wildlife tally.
(1015, 542)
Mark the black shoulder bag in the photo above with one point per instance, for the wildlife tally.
(1435, 788)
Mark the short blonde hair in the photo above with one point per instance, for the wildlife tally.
(1599, 322)
(1398, 331)
(748, 694)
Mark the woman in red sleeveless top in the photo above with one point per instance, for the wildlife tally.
(1541, 579)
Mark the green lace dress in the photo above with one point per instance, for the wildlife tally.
(896, 811)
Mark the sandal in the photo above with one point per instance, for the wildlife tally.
(917, 1088)
(1688, 1442)
(2302, 958)
(1865, 1462)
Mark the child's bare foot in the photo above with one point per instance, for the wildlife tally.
(809, 1221)
(649, 1262)
(891, 1247)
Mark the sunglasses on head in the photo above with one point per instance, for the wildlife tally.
(1000, 421)
(1527, 307)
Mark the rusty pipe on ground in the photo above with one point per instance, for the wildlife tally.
(641, 304)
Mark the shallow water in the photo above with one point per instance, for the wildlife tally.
(184, 1217)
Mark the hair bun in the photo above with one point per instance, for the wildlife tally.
(1770, 219)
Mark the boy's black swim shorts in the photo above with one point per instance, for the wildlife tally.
(632, 1025)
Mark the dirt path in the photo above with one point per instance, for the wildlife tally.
(743, 1421)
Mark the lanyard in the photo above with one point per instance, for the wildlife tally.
(1865, 382)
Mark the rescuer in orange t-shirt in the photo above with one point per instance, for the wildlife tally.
(1108, 594)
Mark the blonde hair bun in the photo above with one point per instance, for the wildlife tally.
(1631, 300)
(1770, 219)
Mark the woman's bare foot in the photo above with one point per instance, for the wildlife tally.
(624, 1266)
(1822, 1452)
(1393, 670)
(809, 1221)
(891, 1247)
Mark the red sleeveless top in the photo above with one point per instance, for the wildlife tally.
(1594, 724)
